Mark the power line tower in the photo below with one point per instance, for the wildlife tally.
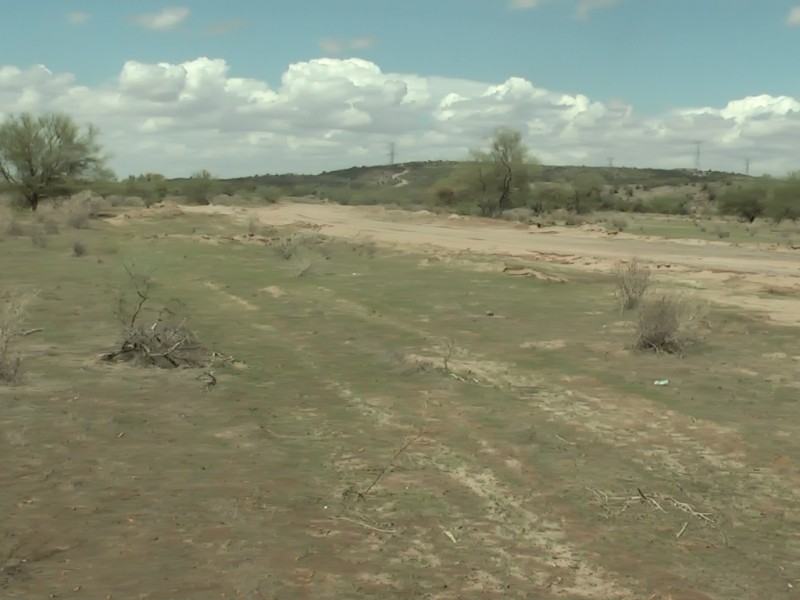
(610, 162)
(391, 152)
(697, 155)
(747, 166)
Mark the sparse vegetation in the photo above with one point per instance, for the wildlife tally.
(358, 403)
(78, 248)
(286, 247)
(619, 223)
(78, 215)
(632, 282)
(13, 315)
(667, 323)
(39, 239)
(721, 232)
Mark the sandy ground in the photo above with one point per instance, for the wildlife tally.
(757, 278)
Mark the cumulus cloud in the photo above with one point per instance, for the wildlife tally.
(167, 19)
(78, 18)
(333, 113)
(793, 18)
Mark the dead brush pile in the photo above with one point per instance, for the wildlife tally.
(159, 338)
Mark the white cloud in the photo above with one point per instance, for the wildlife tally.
(330, 113)
(793, 18)
(78, 18)
(169, 18)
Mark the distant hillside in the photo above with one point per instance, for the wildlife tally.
(428, 173)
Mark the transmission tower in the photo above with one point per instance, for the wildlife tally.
(391, 153)
(697, 155)
(747, 166)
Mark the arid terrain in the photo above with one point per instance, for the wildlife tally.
(415, 406)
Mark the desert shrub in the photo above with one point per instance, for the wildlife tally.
(445, 196)
(667, 323)
(619, 223)
(286, 247)
(573, 220)
(50, 226)
(253, 225)
(12, 319)
(78, 216)
(632, 281)
(304, 268)
(14, 227)
(668, 205)
(39, 239)
(368, 249)
(721, 232)
(78, 248)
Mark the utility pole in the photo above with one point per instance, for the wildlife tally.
(391, 153)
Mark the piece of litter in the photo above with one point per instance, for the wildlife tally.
(661, 382)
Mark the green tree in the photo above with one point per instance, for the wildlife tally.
(588, 193)
(500, 176)
(783, 202)
(47, 156)
(747, 202)
(198, 188)
(546, 197)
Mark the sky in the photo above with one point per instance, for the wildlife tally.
(242, 87)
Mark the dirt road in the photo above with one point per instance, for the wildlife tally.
(739, 275)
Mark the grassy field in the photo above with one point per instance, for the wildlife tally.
(396, 425)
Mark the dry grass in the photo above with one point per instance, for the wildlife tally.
(618, 223)
(721, 232)
(39, 239)
(13, 314)
(633, 279)
(286, 247)
(78, 215)
(668, 324)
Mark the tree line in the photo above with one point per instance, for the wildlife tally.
(51, 155)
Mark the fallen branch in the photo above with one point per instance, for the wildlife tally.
(390, 465)
(365, 524)
(31, 331)
(680, 533)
